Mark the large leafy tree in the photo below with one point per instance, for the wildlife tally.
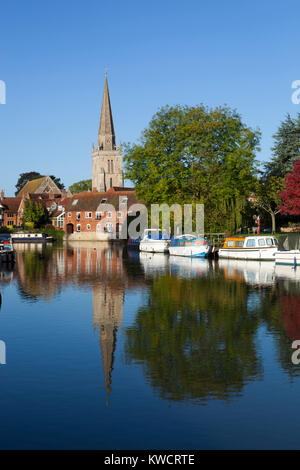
(291, 194)
(286, 149)
(33, 175)
(80, 186)
(267, 196)
(196, 155)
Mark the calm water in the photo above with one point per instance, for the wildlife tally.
(114, 350)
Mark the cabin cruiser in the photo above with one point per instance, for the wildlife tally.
(31, 237)
(189, 245)
(257, 248)
(154, 241)
(134, 243)
(288, 258)
(7, 252)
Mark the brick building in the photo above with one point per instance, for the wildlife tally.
(98, 215)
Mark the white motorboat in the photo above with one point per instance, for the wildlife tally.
(154, 241)
(260, 247)
(289, 258)
(189, 245)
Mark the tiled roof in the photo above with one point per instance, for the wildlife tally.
(11, 203)
(90, 201)
(31, 186)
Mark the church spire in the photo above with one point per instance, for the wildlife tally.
(106, 135)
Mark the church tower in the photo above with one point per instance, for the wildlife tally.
(107, 157)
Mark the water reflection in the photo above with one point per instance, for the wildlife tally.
(196, 337)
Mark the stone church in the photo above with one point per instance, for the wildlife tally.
(107, 157)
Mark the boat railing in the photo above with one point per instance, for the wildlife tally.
(216, 238)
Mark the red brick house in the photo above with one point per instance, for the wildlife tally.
(98, 215)
(12, 208)
(9, 210)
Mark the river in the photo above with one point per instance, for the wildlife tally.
(109, 349)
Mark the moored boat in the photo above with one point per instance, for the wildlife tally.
(288, 258)
(154, 241)
(190, 245)
(7, 253)
(134, 243)
(256, 248)
(31, 237)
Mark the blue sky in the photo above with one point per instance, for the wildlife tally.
(53, 56)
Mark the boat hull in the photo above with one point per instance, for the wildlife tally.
(189, 251)
(154, 246)
(264, 254)
(288, 258)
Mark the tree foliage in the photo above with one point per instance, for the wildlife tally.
(80, 186)
(196, 155)
(35, 213)
(286, 149)
(291, 194)
(267, 196)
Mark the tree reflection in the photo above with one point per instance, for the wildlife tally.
(196, 339)
(280, 310)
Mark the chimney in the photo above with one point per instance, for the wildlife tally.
(2, 194)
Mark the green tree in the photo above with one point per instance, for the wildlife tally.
(58, 182)
(286, 147)
(35, 213)
(267, 196)
(80, 186)
(196, 155)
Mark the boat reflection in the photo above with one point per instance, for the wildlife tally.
(252, 272)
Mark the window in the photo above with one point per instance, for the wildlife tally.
(109, 227)
(78, 215)
(110, 182)
(269, 241)
(103, 201)
(74, 202)
(69, 214)
(78, 228)
(98, 215)
(88, 215)
(250, 243)
(230, 243)
(109, 215)
(98, 228)
(88, 227)
(239, 243)
(119, 215)
(124, 200)
(275, 242)
(261, 242)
